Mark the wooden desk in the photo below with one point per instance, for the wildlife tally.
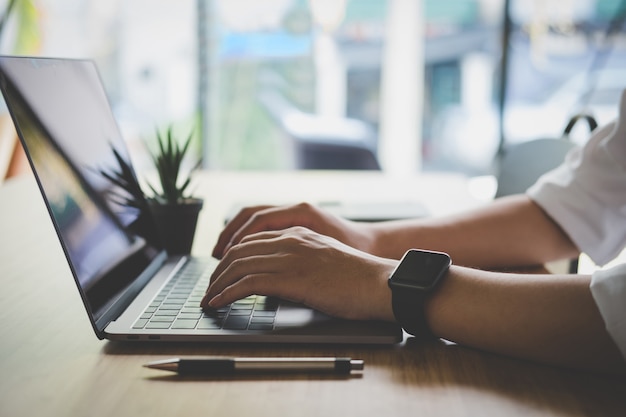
(53, 365)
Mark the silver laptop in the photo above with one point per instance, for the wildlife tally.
(129, 286)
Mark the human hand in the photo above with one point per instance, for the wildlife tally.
(265, 218)
(300, 265)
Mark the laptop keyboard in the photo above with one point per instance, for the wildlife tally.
(177, 306)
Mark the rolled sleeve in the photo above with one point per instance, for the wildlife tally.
(608, 288)
(586, 195)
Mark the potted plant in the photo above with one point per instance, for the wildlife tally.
(174, 209)
(170, 206)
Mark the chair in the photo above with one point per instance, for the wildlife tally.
(320, 142)
(331, 143)
(521, 165)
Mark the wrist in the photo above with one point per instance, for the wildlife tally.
(386, 306)
(412, 283)
(380, 299)
(381, 241)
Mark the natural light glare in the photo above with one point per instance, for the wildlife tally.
(328, 13)
(402, 89)
(252, 15)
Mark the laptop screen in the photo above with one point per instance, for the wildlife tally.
(63, 117)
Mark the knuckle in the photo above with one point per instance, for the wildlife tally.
(249, 211)
(295, 236)
(236, 265)
(251, 214)
(232, 253)
(299, 230)
(305, 206)
(254, 217)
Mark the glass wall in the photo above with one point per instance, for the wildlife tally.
(564, 57)
(146, 52)
(326, 61)
(261, 83)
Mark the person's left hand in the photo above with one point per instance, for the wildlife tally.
(360, 235)
(303, 266)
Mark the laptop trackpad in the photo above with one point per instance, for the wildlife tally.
(294, 315)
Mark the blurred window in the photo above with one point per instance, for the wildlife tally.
(565, 57)
(325, 58)
(248, 76)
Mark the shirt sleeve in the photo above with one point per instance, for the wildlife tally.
(608, 288)
(586, 195)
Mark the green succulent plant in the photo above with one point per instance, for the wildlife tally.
(173, 186)
(168, 163)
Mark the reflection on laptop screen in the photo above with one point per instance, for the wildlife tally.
(63, 117)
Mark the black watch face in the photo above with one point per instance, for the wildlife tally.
(420, 269)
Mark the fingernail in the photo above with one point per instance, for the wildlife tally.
(206, 298)
(215, 301)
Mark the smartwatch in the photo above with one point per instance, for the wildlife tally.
(411, 283)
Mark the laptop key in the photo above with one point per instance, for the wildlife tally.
(260, 326)
(166, 313)
(206, 323)
(184, 324)
(165, 319)
(242, 306)
(189, 316)
(244, 301)
(139, 324)
(236, 323)
(239, 313)
(158, 325)
(171, 307)
(187, 309)
(263, 313)
(257, 320)
(265, 307)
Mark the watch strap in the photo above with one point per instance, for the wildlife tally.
(408, 309)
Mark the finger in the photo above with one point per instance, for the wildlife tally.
(267, 284)
(243, 259)
(275, 218)
(243, 269)
(235, 269)
(256, 244)
(230, 273)
(268, 219)
(263, 252)
(233, 225)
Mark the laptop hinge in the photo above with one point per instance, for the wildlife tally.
(126, 296)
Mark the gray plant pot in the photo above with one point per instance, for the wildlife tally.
(176, 224)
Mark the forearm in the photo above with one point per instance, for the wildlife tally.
(544, 318)
(509, 232)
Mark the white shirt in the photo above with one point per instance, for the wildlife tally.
(586, 196)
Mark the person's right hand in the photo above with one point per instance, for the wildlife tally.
(265, 218)
(300, 265)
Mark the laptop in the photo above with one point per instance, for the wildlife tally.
(131, 289)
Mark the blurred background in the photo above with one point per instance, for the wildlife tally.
(398, 85)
